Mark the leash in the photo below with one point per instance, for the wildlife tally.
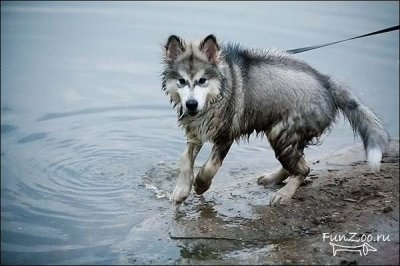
(304, 49)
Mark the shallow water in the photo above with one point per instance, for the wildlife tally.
(90, 144)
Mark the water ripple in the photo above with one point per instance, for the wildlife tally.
(71, 187)
(100, 110)
(33, 137)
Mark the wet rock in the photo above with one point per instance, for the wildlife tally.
(346, 262)
(314, 231)
(387, 209)
(316, 221)
(339, 219)
(349, 200)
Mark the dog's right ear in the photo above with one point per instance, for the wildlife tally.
(173, 47)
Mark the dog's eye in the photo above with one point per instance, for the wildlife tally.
(182, 81)
(202, 81)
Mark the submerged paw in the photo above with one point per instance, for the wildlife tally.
(179, 195)
(201, 186)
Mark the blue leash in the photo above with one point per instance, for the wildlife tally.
(304, 49)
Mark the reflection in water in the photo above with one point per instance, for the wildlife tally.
(33, 137)
(206, 209)
(200, 225)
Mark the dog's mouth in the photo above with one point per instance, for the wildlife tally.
(192, 113)
(186, 113)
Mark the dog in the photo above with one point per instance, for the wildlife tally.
(223, 93)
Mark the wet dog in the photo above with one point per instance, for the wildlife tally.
(224, 93)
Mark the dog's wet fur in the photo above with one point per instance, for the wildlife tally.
(223, 93)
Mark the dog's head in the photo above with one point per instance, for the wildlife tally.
(191, 76)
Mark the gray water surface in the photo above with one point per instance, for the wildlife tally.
(90, 144)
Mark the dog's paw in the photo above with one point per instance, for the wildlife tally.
(272, 178)
(284, 195)
(265, 180)
(201, 186)
(280, 199)
(179, 195)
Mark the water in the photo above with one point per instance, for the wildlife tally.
(89, 143)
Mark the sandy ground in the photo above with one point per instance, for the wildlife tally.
(340, 197)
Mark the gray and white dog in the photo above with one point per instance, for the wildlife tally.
(224, 93)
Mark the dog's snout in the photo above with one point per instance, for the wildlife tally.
(191, 104)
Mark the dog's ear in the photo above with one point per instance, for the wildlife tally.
(210, 47)
(174, 47)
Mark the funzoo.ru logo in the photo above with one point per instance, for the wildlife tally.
(363, 239)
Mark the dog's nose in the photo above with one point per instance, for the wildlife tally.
(191, 104)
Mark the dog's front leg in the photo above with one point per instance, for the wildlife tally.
(203, 179)
(185, 178)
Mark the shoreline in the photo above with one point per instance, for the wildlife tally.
(340, 196)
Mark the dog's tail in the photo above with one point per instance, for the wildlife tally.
(364, 122)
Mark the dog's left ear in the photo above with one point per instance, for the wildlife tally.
(210, 47)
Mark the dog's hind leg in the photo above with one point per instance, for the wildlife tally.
(203, 179)
(288, 147)
(284, 195)
(185, 178)
(273, 178)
